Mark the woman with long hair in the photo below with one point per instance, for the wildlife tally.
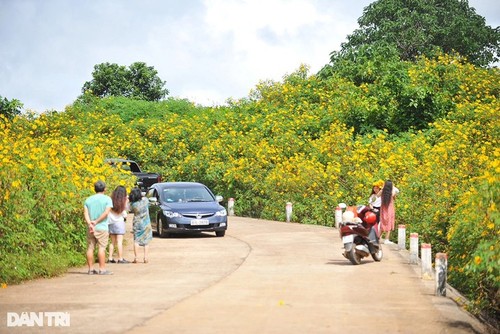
(387, 210)
(143, 233)
(116, 223)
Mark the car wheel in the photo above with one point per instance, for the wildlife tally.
(220, 233)
(159, 227)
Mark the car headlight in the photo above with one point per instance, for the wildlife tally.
(221, 213)
(171, 214)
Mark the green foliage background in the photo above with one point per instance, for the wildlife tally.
(432, 127)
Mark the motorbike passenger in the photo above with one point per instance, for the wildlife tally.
(375, 199)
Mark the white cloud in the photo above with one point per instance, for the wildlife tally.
(245, 17)
(268, 39)
(206, 50)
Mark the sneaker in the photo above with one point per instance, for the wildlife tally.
(123, 261)
(388, 242)
(93, 272)
(112, 261)
(105, 272)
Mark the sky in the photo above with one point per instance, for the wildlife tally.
(207, 51)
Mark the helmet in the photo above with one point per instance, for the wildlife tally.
(370, 217)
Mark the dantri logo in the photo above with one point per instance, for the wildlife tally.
(40, 319)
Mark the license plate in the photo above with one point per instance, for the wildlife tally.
(199, 222)
(348, 238)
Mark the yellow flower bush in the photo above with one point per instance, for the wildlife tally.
(44, 179)
(287, 142)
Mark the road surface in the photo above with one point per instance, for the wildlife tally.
(262, 277)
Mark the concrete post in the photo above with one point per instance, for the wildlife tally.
(426, 261)
(230, 207)
(288, 212)
(413, 248)
(401, 236)
(441, 273)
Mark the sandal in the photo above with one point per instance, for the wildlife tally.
(135, 261)
(146, 261)
(105, 272)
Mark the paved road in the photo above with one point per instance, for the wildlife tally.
(262, 277)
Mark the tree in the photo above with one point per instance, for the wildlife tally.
(364, 64)
(138, 81)
(10, 108)
(394, 36)
(422, 27)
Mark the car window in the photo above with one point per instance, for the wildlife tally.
(190, 194)
(125, 167)
(170, 195)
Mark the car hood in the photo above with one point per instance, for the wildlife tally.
(192, 207)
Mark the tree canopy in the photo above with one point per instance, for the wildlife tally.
(10, 108)
(395, 34)
(138, 81)
(420, 27)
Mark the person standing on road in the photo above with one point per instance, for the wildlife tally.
(116, 223)
(143, 233)
(95, 210)
(387, 210)
(375, 199)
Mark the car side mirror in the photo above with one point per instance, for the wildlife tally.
(219, 198)
(153, 200)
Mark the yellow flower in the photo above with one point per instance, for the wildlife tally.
(477, 260)
(4, 285)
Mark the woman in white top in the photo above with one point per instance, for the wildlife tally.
(116, 223)
(375, 200)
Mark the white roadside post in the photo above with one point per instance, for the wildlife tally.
(413, 248)
(441, 273)
(426, 261)
(402, 236)
(338, 216)
(230, 207)
(288, 211)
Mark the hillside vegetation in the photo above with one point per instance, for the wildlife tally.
(432, 126)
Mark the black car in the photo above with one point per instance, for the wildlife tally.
(183, 207)
(144, 179)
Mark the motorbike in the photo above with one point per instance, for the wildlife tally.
(359, 231)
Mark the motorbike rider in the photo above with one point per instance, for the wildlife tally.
(370, 221)
(374, 203)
